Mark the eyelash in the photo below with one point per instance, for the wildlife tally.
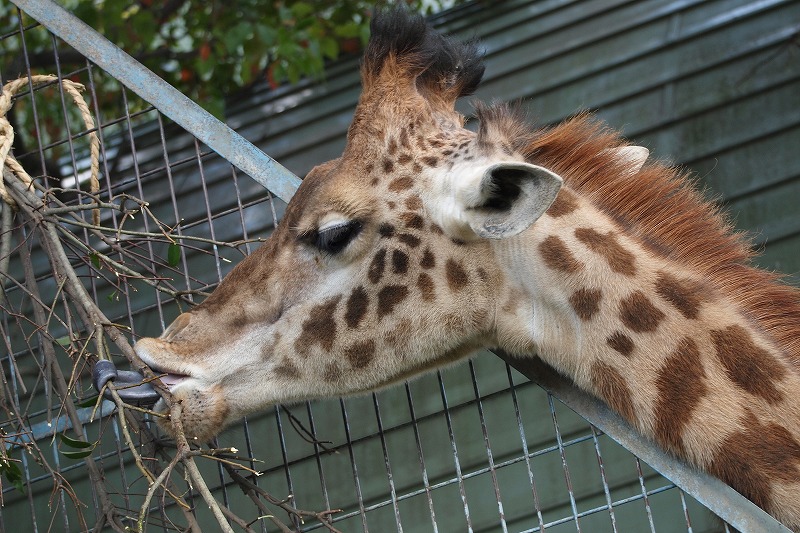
(334, 239)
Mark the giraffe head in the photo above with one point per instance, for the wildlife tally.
(382, 267)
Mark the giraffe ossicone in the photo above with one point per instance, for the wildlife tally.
(425, 242)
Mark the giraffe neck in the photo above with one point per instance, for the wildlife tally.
(664, 347)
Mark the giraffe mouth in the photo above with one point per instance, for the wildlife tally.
(171, 380)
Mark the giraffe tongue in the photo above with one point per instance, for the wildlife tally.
(172, 380)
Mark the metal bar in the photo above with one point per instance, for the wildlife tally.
(457, 462)
(512, 387)
(387, 464)
(721, 499)
(564, 467)
(323, 484)
(425, 481)
(606, 489)
(356, 480)
(46, 430)
(168, 100)
(488, 446)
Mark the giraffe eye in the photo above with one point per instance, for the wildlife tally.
(333, 239)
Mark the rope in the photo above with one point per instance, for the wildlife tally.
(7, 135)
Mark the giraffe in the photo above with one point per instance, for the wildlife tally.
(426, 241)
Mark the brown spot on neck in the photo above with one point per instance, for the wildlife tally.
(685, 295)
(621, 343)
(399, 262)
(399, 335)
(557, 256)
(565, 203)
(286, 369)
(401, 184)
(389, 297)
(748, 365)
(619, 259)
(360, 354)
(428, 260)
(377, 266)
(404, 138)
(414, 203)
(412, 220)
(639, 314)
(412, 241)
(431, 161)
(426, 287)
(611, 387)
(319, 327)
(457, 277)
(333, 372)
(585, 302)
(681, 385)
(356, 308)
(750, 460)
(386, 231)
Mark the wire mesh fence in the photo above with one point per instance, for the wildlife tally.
(478, 447)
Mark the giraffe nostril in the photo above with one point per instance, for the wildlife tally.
(176, 327)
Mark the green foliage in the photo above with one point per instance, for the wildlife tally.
(174, 254)
(12, 473)
(80, 448)
(211, 50)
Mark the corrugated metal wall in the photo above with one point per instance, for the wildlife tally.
(712, 85)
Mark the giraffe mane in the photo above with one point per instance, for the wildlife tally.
(663, 207)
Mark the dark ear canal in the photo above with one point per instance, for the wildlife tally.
(503, 188)
(514, 195)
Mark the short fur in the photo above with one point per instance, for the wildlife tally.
(665, 210)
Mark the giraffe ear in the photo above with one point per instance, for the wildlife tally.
(635, 155)
(510, 197)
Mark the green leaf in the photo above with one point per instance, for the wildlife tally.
(349, 29)
(301, 9)
(13, 474)
(77, 455)
(267, 34)
(174, 254)
(64, 341)
(235, 36)
(74, 443)
(95, 259)
(329, 47)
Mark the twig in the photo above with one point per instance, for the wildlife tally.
(151, 490)
(149, 235)
(305, 433)
(6, 219)
(248, 486)
(191, 468)
(109, 510)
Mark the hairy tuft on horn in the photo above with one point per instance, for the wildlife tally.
(441, 67)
